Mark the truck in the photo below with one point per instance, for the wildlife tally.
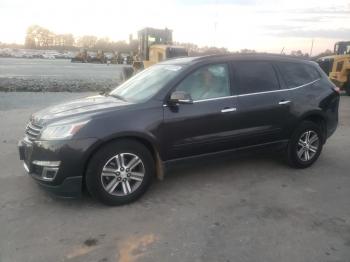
(337, 66)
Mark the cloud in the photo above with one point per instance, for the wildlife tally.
(288, 31)
(329, 22)
(215, 2)
(331, 10)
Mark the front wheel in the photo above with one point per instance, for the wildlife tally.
(305, 146)
(120, 172)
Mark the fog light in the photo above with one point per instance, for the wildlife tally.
(49, 173)
(49, 169)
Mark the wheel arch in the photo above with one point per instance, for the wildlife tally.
(318, 118)
(148, 142)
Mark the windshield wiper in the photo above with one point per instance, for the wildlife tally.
(118, 97)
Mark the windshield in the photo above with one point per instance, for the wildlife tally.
(146, 84)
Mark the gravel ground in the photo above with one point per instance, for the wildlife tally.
(17, 74)
(234, 208)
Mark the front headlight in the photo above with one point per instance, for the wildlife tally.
(61, 131)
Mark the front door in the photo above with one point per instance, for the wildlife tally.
(208, 124)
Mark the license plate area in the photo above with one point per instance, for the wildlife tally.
(24, 151)
(21, 151)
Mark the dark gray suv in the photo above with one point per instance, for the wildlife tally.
(115, 144)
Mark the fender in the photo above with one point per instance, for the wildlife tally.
(315, 112)
(317, 116)
(146, 138)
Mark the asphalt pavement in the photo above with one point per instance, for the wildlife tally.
(238, 208)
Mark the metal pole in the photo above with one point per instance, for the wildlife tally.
(312, 46)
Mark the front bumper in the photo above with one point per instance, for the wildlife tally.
(57, 166)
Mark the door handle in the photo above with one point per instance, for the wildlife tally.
(283, 102)
(228, 109)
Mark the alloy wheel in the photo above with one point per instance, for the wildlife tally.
(308, 145)
(122, 174)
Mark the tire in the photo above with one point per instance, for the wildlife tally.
(124, 185)
(297, 147)
(347, 87)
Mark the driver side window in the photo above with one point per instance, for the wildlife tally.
(207, 82)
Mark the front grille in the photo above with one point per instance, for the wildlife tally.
(32, 131)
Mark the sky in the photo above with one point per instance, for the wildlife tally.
(263, 25)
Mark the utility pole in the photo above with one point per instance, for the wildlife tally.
(312, 46)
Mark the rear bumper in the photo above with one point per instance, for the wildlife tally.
(332, 115)
(57, 166)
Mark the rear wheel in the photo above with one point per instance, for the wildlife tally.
(120, 172)
(305, 145)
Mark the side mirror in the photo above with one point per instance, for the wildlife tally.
(180, 97)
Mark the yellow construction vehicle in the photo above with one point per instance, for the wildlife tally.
(81, 57)
(84, 57)
(337, 66)
(155, 45)
(99, 58)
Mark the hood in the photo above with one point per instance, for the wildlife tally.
(77, 108)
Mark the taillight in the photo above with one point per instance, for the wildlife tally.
(336, 89)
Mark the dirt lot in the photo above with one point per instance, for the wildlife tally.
(236, 208)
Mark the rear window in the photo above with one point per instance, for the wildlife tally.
(255, 77)
(295, 74)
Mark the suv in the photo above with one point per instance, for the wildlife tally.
(115, 144)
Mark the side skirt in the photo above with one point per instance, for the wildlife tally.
(277, 145)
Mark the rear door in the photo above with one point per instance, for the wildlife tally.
(262, 111)
(301, 88)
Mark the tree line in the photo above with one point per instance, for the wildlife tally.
(38, 37)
